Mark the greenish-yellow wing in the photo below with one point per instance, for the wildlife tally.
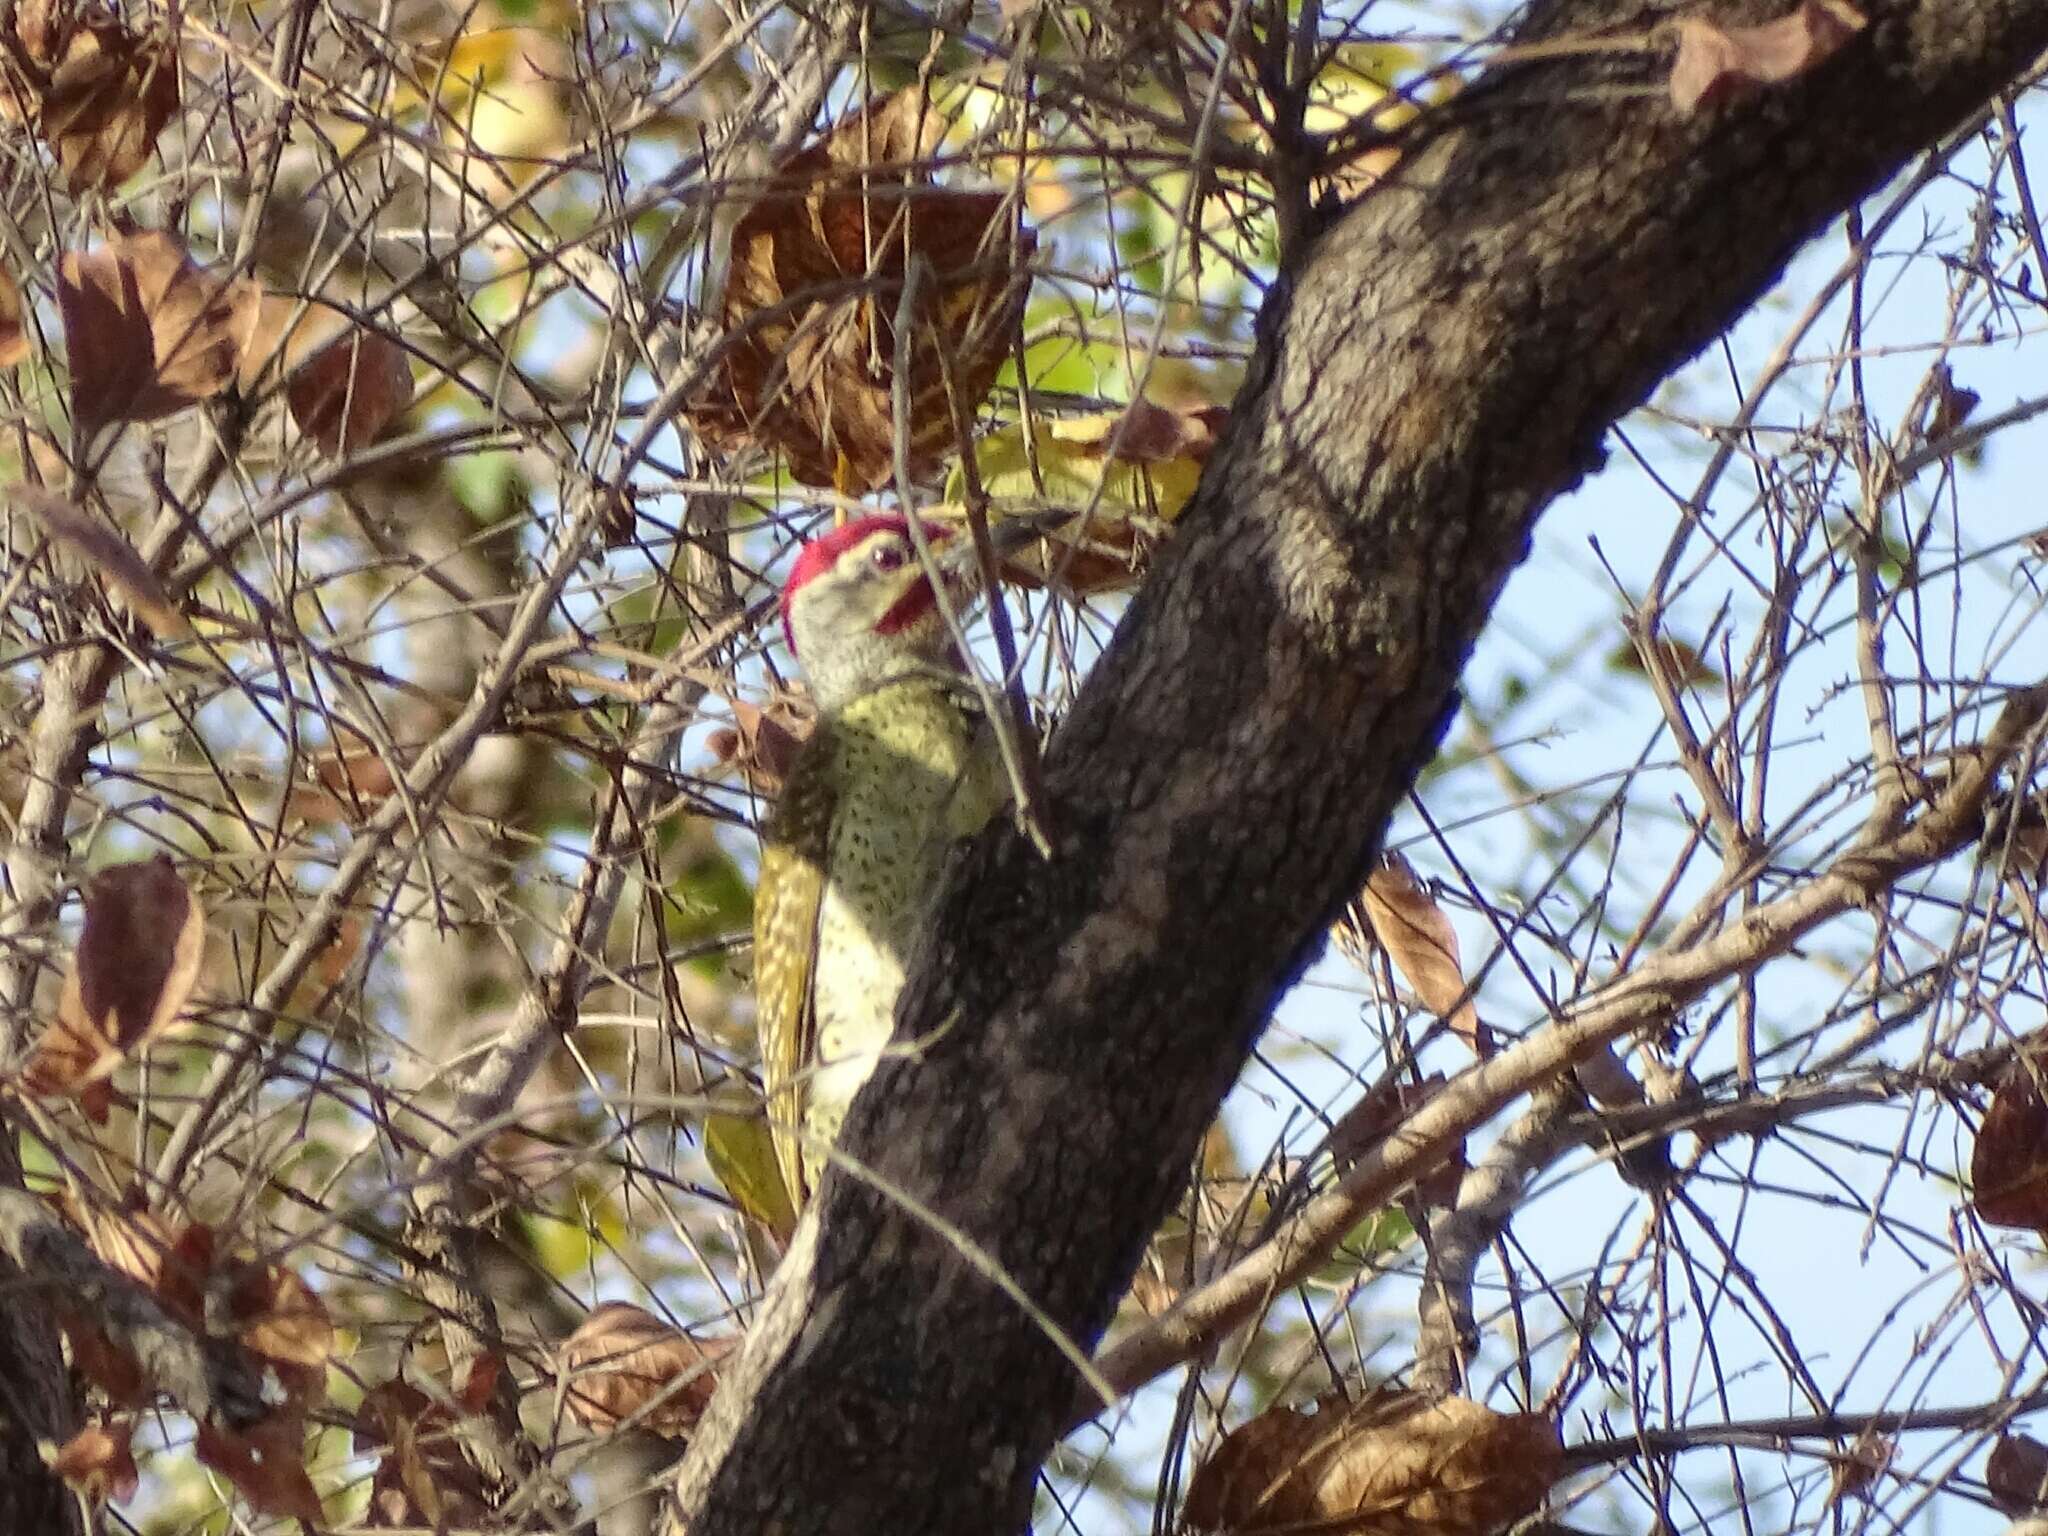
(786, 903)
(982, 791)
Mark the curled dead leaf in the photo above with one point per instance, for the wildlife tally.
(1417, 936)
(170, 1259)
(111, 557)
(97, 93)
(106, 103)
(423, 1477)
(1145, 432)
(147, 331)
(1716, 64)
(41, 27)
(136, 964)
(1395, 1464)
(346, 785)
(99, 1461)
(762, 743)
(99, 1360)
(2009, 1163)
(279, 1317)
(275, 1314)
(1953, 404)
(1854, 1473)
(267, 1465)
(279, 332)
(624, 1365)
(13, 332)
(2016, 1473)
(349, 391)
(818, 269)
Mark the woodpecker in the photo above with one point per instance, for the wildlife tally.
(901, 765)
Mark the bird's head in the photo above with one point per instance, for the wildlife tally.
(859, 608)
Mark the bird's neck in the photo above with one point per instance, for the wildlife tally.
(844, 674)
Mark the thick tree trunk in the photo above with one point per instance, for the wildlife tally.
(1444, 362)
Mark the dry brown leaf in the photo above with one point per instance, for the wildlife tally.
(279, 1317)
(480, 1383)
(111, 557)
(106, 103)
(817, 273)
(135, 966)
(13, 333)
(267, 1465)
(624, 1364)
(1954, 404)
(2009, 1163)
(384, 1412)
(101, 1361)
(42, 27)
(348, 392)
(1857, 1468)
(147, 331)
(1374, 1118)
(99, 1461)
(349, 783)
(275, 1314)
(138, 952)
(134, 1239)
(1397, 1464)
(279, 332)
(98, 94)
(1135, 470)
(1715, 63)
(761, 743)
(423, 1478)
(1145, 432)
(1423, 945)
(2016, 1472)
(173, 1261)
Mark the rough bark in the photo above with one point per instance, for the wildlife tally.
(1440, 364)
(36, 1403)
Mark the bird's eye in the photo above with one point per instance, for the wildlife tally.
(888, 556)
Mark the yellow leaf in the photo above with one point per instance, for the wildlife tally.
(1136, 468)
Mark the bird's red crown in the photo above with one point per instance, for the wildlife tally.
(822, 554)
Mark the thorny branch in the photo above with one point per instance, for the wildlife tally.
(213, 1384)
(1656, 989)
(438, 754)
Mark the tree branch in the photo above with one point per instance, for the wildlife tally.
(1653, 991)
(207, 1380)
(1438, 366)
